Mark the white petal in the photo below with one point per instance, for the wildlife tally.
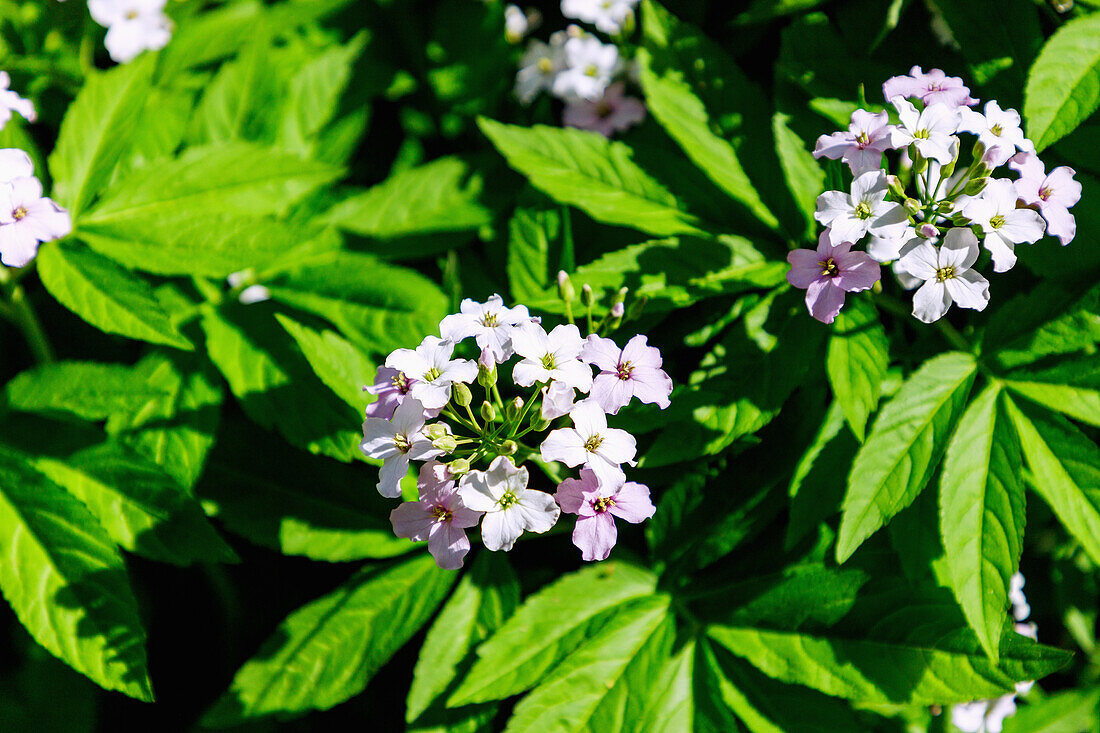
(931, 302)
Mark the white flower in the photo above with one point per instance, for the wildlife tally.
(931, 130)
(490, 323)
(509, 506)
(517, 24)
(539, 67)
(550, 357)
(988, 716)
(589, 66)
(12, 102)
(591, 443)
(866, 210)
(888, 249)
(14, 163)
(133, 26)
(1003, 224)
(946, 273)
(430, 364)
(998, 129)
(557, 400)
(27, 218)
(1020, 608)
(250, 294)
(396, 442)
(607, 15)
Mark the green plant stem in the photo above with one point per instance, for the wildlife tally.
(25, 319)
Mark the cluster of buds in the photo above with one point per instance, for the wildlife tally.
(930, 218)
(474, 455)
(578, 68)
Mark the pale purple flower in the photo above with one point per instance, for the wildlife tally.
(931, 88)
(862, 146)
(946, 274)
(829, 272)
(510, 507)
(592, 444)
(396, 442)
(607, 15)
(15, 163)
(539, 67)
(432, 370)
(1005, 226)
(490, 324)
(557, 400)
(27, 218)
(390, 388)
(932, 130)
(866, 210)
(12, 102)
(550, 357)
(596, 505)
(996, 129)
(632, 371)
(589, 66)
(439, 517)
(615, 112)
(133, 26)
(1053, 193)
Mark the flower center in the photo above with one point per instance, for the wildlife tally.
(19, 213)
(1045, 192)
(489, 320)
(934, 86)
(863, 138)
(829, 268)
(593, 444)
(131, 14)
(508, 500)
(603, 110)
(432, 374)
(625, 369)
(945, 273)
(591, 70)
(921, 134)
(602, 503)
(863, 210)
(400, 383)
(549, 363)
(544, 65)
(441, 513)
(401, 442)
(997, 130)
(997, 221)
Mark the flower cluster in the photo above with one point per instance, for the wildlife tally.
(423, 412)
(133, 26)
(933, 238)
(581, 70)
(988, 716)
(27, 218)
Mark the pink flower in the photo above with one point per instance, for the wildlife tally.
(633, 371)
(830, 272)
(591, 443)
(596, 506)
(862, 146)
(931, 88)
(26, 219)
(613, 113)
(397, 442)
(439, 517)
(390, 387)
(1053, 193)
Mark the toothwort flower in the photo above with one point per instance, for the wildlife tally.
(589, 66)
(932, 130)
(1004, 225)
(615, 112)
(15, 163)
(12, 102)
(133, 26)
(390, 387)
(866, 210)
(935, 87)
(439, 517)
(596, 506)
(550, 357)
(862, 146)
(996, 129)
(607, 15)
(946, 273)
(27, 218)
(510, 507)
(432, 370)
(1053, 193)
(557, 400)
(396, 442)
(539, 67)
(491, 325)
(632, 371)
(830, 272)
(592, 444)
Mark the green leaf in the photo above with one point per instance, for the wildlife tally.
(327, 651)
(1051, 319)
(916, 665)
(532, 234)
(487, 596)
(859, 354)
(548, 626)
(604, 684)
(96, 132)
(276, 387)
(1065, 470)
(805, 177)
(142, 508)
(236, 104)
(598, 176)
(338, 364)
(1080, 403)
(315, 92)
(671, 708)
(817, 486)
(982, 514)
(441, 196)
(1063, 88)
(66, 581)
(106, 296)
(1070, 711)
(904, 447)
(89, 390)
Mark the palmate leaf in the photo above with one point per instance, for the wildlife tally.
(805, 177)
(67, 582)
(86, 389)
(105, 295)
(1063, 88)
(315, 92)
(532, 233)
(342, 367)
(982, 514)
(904, 447)
(547, 627)
(327, 651)
(1071, 389)
(858, 356)
(586, 170)
(1070, 711)
(605, 683)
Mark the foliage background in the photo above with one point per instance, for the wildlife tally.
(335, 147)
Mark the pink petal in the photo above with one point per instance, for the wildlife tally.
(1060, 223)
(824, 299)
(857, 271)
(638, 352)
(652, 386)
(413, 519)
(804, 268)
(633, 504)
(1064, 191)
(612, 393)
(602, 352)
(570, 493)
(448, 545)
(564, 445)
(595, 536)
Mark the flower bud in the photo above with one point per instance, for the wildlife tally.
(566, 291)
(447, 443)
(637, 307)
(488, 412)
(620, 297)
(459, 467)
(538, 422)
(616, 316)
(975, 186)
(486, 376)
(508, 448)
(920, 163)
(928, 231)
(947, 207)
(912, 206)
(894, 183)
(514, 408)
(586, 295)
(436, 431)
(462, 395)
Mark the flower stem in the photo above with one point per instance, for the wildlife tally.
(19, 312)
